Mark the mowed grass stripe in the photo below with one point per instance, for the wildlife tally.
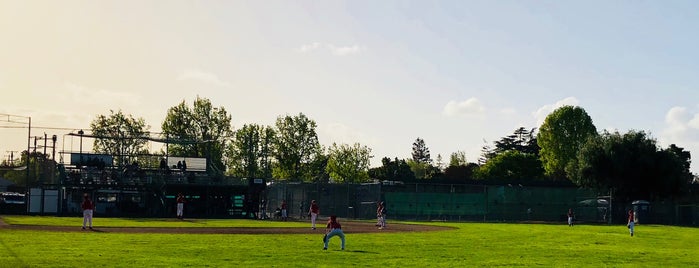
(471, 245)
(149, 222)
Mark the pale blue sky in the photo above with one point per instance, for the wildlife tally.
(381, 73)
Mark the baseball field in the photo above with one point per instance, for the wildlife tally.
(40, 241)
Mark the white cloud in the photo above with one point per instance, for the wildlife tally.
(470, 107)
(541, 114)
(335, 50)
(201, 76)
(681, 128)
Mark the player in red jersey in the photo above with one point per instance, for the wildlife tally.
(314, 210)
(333, 228)
(180, 206)
(285, 214)
(630, 222)
(88, 207)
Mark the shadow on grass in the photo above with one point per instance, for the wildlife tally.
(361, 251)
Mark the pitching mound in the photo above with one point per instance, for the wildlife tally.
(347, 226)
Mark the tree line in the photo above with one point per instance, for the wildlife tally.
(566, 149)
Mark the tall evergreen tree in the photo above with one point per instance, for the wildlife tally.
(421, 154)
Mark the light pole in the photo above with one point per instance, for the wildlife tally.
(81, 132)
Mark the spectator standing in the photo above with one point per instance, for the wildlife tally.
(163, 163)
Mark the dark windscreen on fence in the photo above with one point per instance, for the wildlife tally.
(450, 202)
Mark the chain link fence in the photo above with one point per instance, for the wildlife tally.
(446, 202)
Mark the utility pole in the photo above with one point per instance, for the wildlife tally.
(11, 158)
(53, 148)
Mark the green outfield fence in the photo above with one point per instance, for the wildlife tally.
(151, 193)
(458, 202)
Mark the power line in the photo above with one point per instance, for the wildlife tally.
(40, 127)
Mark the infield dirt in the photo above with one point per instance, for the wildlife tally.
(347, 227)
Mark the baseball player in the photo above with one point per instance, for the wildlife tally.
(88, 207)
(314, 210)
(570, 217)
(630, 223)
(180, 206)
(333, 228)
(381, 214)
(285, 213)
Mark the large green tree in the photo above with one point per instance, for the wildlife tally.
(633, 166)
(512, 165)
(200, 130)
(458, 159)
(459, 169)
(119, 135)
(522, 140)
(460, 173)
(41, 169)
(392, 170)
(249, 152)
(267, 137)
(423, 170)
(348, 163)
(317, 171)
(296, 147)
(561, 136)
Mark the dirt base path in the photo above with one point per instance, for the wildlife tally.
(347, 227)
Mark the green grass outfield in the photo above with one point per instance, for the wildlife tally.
(470, 245)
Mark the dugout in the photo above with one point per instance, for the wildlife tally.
(210, 201)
